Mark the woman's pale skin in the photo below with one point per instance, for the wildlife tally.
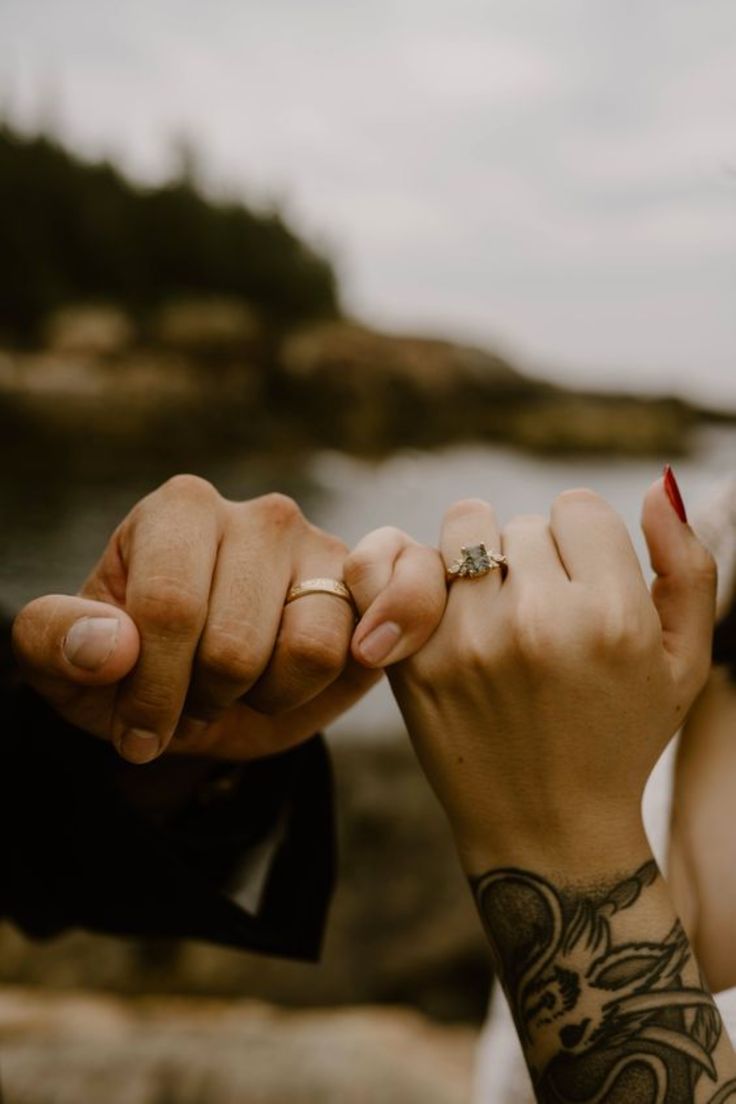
(538, 709)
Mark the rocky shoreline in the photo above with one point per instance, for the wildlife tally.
(219, 371)
(402, 928)
(389, 1016)
(81, 1048)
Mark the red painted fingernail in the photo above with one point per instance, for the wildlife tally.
(673, 493)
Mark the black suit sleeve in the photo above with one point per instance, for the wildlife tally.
(76, 854)
(724, 641)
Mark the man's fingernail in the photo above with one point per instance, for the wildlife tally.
(673, 493)
(138, 746)
(91, 641)
(378, 644)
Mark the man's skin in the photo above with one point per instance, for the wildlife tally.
(180, 641)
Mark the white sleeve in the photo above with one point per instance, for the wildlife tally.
(500, 1075)
(726, 1001)
(247, 884)
(715, 524)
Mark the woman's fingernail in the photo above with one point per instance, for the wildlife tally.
(673, 493)
(91, 641)
(378, 644)
(138, 746)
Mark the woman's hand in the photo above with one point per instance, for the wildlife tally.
(541, 703)
(538, 708)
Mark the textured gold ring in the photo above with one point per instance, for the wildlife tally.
(305, 587)
(475, 561)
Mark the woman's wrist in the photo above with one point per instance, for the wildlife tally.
(578, 850)
(604, 988)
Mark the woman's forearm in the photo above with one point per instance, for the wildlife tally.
(538, 708)
(607, 996)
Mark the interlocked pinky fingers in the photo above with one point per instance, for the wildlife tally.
(399, 588)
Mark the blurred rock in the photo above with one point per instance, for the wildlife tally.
(206, 325)
(89, 331)
(74, 378)
(369, 392)
(84, 1050)
(347, 352)
(402, 928)
(8, 372)
(215, 368)
(603, 424)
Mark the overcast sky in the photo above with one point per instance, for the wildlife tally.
(556, 177)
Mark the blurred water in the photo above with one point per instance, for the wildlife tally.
(55, 522)
(411, 490)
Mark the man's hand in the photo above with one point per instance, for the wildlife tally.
(180, 639)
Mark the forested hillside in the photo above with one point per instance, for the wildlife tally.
(75, 231)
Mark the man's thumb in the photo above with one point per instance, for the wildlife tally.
(74, 640)
(685, 585)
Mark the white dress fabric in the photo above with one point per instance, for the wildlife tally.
(501, 1076)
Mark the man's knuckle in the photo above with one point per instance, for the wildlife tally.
(331, 547)
(317, 655)
(190, 487)
(279, 510)
(225, 656)
(165, 606)
(149, 706)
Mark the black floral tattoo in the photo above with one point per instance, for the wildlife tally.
(601, 1021)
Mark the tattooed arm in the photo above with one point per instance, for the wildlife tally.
(538, 709)
(606, 995)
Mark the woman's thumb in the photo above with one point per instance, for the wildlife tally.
(684, 589)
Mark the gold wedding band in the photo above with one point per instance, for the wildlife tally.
(320, 586)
